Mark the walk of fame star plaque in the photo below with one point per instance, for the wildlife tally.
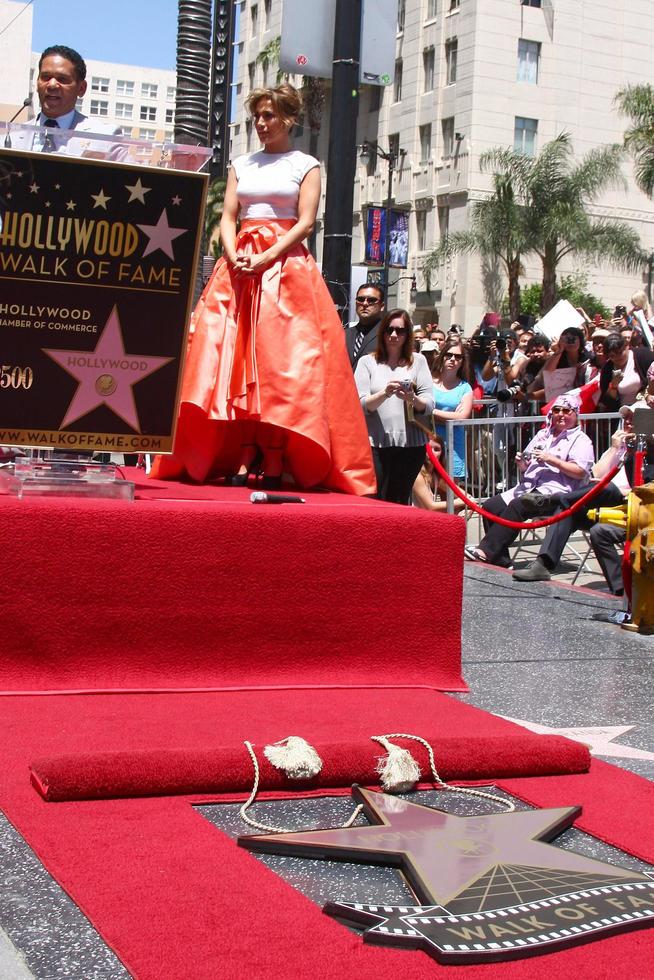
(487, 887)
(97, 272)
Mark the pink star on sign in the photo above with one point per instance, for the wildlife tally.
(106, 375)
(161, 236)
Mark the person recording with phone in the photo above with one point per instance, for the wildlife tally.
(570, 356)
(624, 373)
(394, 385)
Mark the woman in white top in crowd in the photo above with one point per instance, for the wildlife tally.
(394, 385)
(267, 385)
(624, 373)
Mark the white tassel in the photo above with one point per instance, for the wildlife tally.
(295, 757)
(398, 770)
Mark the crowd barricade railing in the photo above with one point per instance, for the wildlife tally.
(491, 444)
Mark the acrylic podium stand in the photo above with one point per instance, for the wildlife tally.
(47, 471)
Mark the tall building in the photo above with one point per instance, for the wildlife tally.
(15, 47)
(470, 75)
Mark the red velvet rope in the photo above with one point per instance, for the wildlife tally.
(521, 526)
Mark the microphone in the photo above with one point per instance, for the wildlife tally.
(259, 497)
(26, 102)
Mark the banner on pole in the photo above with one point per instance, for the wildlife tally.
(398, 239)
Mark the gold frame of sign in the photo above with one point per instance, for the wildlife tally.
(99, 247)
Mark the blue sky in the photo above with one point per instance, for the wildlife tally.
(131, 32)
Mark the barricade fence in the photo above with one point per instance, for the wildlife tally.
(489, 446)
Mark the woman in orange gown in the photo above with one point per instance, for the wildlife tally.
(268, 386)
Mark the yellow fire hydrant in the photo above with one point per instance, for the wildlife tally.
(636, 516)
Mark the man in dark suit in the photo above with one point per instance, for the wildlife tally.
(61, 81)
(361, 337)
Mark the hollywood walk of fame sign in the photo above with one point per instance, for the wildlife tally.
(97, 271)
(489, 887)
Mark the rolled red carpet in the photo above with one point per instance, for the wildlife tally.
(228, 769)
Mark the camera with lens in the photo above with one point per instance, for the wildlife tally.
(500, 344)
(506, 394)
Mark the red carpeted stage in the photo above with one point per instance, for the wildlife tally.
(193, 586)
(334, 620)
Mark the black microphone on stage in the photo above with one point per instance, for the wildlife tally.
(26, 102)
(259, 497)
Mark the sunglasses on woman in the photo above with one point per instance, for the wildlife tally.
(452, 357)
(400, 331)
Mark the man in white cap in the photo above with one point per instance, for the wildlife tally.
(557, 460)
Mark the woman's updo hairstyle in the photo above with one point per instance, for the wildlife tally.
(285, 98)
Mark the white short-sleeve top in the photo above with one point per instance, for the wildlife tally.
(269, 183)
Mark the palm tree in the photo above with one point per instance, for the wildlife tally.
(498, 229)
(558, 194)
(637, 102)
(540, 205)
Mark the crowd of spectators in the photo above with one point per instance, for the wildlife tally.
(503, 369)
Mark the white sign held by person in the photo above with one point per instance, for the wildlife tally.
(560, 317)
(646, 327)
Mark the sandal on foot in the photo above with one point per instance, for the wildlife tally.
(473, 554)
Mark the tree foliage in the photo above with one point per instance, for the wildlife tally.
(637, 102)
(213, 213)
(497, 230)
(574, 288)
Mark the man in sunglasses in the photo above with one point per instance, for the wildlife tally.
(361, 336)
(558, 460)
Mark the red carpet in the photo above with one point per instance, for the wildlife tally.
(226, 769)
(176, 898)
(211, 591)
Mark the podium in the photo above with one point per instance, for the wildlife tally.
(99, 243)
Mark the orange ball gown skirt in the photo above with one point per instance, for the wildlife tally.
(267, 364)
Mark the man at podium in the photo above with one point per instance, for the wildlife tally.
(60, 83)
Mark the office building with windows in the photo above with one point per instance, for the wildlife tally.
(470, 75)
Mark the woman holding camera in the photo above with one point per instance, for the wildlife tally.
(394, 384)
(267, 385)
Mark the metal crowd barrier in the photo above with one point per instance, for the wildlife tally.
(491, 444)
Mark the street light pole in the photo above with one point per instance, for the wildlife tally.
(390, 159)
(341, 162)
